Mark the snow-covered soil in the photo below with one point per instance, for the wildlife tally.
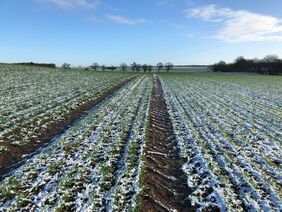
(32, 98)
(230, 133)
(228, 129)
(93, 166)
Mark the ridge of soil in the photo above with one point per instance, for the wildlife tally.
(165, 184)
(11, 159)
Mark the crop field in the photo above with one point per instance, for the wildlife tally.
(33, 100)
(229, 130)
(77, 140)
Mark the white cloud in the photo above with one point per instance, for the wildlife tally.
(239, 25)
(70, 4)
(123, 20)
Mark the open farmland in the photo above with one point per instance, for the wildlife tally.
(172, 141)
(229, 130)
(38, 103)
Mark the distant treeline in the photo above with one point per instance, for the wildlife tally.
(190, 66)
(47, 65)
(270, 64)
(134, 67)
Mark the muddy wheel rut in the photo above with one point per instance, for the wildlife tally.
(165, 184)
(16, 155)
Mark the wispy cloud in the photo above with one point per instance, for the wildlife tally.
(71, 4)
(123, 20)
(239, 25)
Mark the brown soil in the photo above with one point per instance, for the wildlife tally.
(14, 155)
(165, 184)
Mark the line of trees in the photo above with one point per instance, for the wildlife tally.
(149, 68)
(134, 67)
(46, 65)
(270, 64)
(66, 66)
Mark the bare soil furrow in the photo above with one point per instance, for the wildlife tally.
(165, 184)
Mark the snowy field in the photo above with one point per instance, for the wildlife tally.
(228, 129)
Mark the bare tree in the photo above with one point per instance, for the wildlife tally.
(138, 67)
(123, 66)
(168, 66)
(95, 66)
(271, 58)
(134, 66)
(112, 68)
(103, 67)
(150, 68)
(66, 66)
(160, 66)
(145, 67)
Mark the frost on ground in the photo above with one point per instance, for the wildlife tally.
(38, 103)
(93, 166)
(229, 131)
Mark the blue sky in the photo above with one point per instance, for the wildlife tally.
(82, 32)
